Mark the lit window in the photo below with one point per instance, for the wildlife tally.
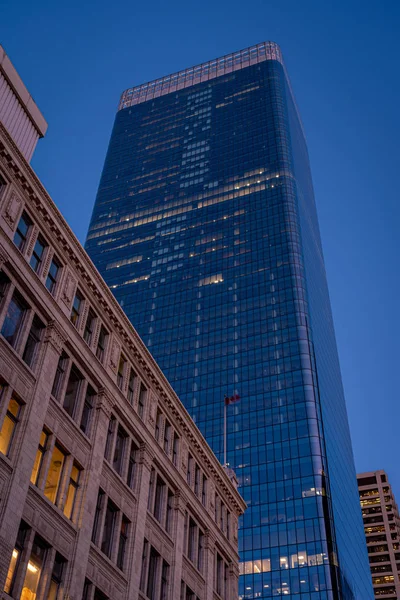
(33, 341)
(54, 474)
(76, 308)
(14, 318)
(72, 491)
(21, 234)
(15, 557)
(37, 254)
(34, 569)
(52, 275)
(40, 452)
(9, 426)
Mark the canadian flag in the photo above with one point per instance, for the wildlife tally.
(231, 399)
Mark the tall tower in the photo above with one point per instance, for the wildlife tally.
(206, 230)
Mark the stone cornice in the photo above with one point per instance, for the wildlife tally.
(47, 214)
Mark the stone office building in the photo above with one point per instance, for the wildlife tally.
(107, 488)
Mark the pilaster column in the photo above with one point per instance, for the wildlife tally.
(23, 457)
(209, 547)
(146, 457)
(104, 405)
(179, 541)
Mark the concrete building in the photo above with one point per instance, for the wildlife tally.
(18, 111)
(382, 531)
(107, 488)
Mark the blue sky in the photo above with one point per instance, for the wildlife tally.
(77, 57)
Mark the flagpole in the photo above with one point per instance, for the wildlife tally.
(225, 432)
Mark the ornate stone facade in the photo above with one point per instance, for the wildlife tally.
(107, 488)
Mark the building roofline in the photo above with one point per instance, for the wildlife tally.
(18, 87)
(200, 73)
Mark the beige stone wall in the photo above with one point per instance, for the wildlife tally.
(140, 449)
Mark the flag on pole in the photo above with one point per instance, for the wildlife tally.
(231, 399)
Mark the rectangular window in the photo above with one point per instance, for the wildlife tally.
(21, 234)
(97, 515)
(72, 392)
(159, 499)
(164, 580)
(37, 254)
(53, 275)
(9, 426)
(167, 436)
(123, 542)
(34, 568)
(158, 424)
(15, 557)
(151, 489)
(33, 341)
(170, 512)
(101, 344)
(197, 479)
(143, 571)
(54, 474)
(119, 450)
(56, 577)
(110, 435)
(87, 410)
(99, 595)
(40, 452)
(14, 318)
(175, 449)
(131, 386)
(154, 562)
(89, 327)
(121, 372)
(142, 401)
(109, 528)
(204, 491)
(59, 376)
(72, 491)
(192, 540)
(131, 478)
(228, 525)
(189, 469)
(76, 308)
(200, 552)
(219, 575)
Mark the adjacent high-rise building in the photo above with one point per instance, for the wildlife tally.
(108, 490)
(205, 229)
(382, 532)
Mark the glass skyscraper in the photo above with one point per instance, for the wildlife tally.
(205, 228)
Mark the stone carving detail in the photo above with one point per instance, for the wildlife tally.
(180, 501)
(235, 530)
(55, 336)
(32, 240)
(3, 256)
(68, 289)
(105, 401)
(211, 497)
(12, 210)
(114, 355)
(146, 455)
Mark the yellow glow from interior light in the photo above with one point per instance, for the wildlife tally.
(15, 554)
(32, 567)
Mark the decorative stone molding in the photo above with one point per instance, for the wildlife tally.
(181, 501)
(32, 240)
(105, 402)
(68, 289)
(55, 336)
(13, 209)
(152, 410)
(146, 455)
(210, 539)
(114, 354)
(4, 257)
